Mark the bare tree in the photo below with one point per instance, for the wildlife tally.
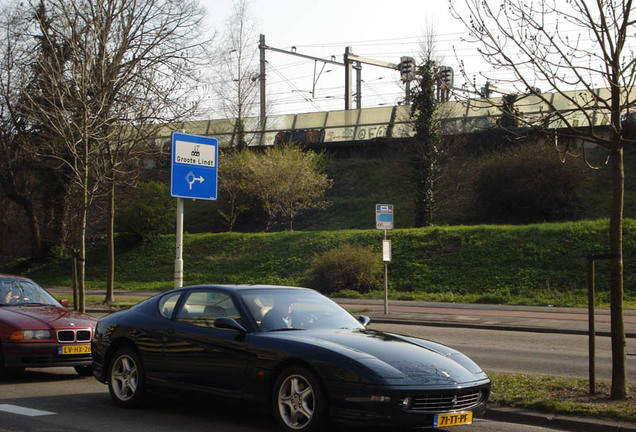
(564, 46)
(26, 179)
(147, 71)
(111, 69)
(237, 74)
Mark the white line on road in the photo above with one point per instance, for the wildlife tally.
(15, 409)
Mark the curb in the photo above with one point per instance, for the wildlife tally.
(575, 424)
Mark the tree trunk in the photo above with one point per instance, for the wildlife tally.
(110, 271)
(34, 225)
(81, 268)
(81, 262)
(619, 372)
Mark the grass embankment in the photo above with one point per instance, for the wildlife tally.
(542, 264)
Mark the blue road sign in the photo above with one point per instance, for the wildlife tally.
(193, 172)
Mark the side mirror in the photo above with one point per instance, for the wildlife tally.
(364, 320)
(64, 302)
(230, 324)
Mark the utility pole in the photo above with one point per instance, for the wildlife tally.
(262, 47)
(347, 65)
(358, 68)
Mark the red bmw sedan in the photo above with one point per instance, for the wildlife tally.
(38, 331)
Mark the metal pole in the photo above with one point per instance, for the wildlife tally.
(178, 262)
(592, 324)
(262, 47)
(386, 284)
(358, 85)
(347, 65)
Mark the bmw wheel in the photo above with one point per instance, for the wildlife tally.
(126, 378)
(298, 400)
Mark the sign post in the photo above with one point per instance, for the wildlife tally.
(193, 174)
(384, 222)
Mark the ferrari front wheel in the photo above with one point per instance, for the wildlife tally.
(298, 400)
(126, 378)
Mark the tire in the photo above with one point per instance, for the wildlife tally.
(298, 400)
(126, 378)
(84, 370)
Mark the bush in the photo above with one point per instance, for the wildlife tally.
(347, 267)
(150, 214)
(527, 185)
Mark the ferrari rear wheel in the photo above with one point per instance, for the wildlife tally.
(298, 400)
(126, 378)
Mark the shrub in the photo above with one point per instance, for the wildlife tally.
(347, 267)
(527, 185)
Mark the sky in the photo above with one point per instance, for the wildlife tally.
(376, 29)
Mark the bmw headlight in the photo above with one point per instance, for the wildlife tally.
(30, 335)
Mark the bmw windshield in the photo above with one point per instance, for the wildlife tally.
(21, 292)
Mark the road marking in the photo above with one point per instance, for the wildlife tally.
(15, 409)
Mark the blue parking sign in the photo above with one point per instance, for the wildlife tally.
(193, 172)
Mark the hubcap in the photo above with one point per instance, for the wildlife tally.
(124, 377)
(296, 401)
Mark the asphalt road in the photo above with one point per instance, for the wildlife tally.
(66, 402)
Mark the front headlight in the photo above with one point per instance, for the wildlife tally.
(30, 335)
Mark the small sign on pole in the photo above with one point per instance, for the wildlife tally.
(384, 222)
(386, 250)
(384, 216)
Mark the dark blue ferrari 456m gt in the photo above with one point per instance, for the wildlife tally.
(291, 349)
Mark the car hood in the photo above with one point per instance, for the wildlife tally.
(396, 357)
(42, 317)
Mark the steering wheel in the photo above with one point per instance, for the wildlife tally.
(304, 320)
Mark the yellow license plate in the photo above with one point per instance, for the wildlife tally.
(454, 419)
(74, 349)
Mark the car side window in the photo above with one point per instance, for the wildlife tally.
(167, 305)
(201, 308)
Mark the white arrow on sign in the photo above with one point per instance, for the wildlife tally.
(190, 178)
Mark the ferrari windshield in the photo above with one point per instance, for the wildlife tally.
(291, 309)
(18, 292)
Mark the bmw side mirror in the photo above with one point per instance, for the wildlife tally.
(364, 320)
(230, 324)
(64, 303)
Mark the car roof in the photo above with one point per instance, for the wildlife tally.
(244, 287)
(4, 275)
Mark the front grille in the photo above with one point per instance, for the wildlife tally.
(446, 402)
(74, 335)
(83, 335)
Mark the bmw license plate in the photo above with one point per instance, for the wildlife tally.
(454, 419)
(74, 349)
